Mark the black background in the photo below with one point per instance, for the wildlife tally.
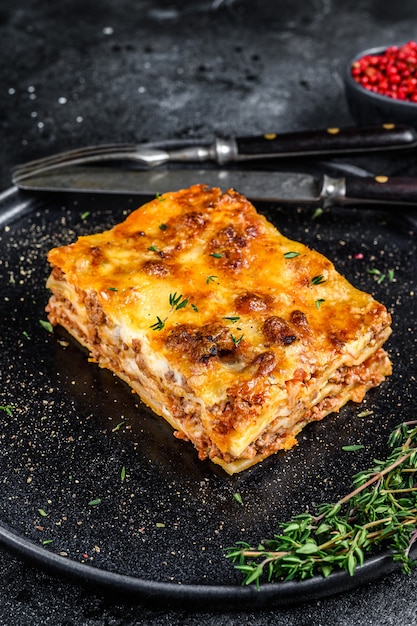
(77, 72)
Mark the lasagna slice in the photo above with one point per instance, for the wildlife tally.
(234, 334)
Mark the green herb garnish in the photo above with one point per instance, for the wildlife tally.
(318, 280)
(291, 255)
(319, 302)
(95, 502)
(163, 226)
(46, 325)
(237, 340)
(153, 248)
(379, 512)
(232, 318)
(159, 324)
(8, 408)
(217, 255)
(238, 498)
(353, 448)
(177, 301)
(211, 279)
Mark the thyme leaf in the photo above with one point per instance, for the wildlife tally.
(177, 302)
(7, 408)
(317, 213)
(238, 497)
(318, 280)
(237, 340)
(46, 325)
(158, 325)
(291, 255)
(94, 502)
(353, 448)
(379, 512)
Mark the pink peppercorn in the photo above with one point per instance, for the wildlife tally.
(392, 74)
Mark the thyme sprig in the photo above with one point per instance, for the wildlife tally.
(177, 301)
(379, 512)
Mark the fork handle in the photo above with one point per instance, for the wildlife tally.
(321, 142)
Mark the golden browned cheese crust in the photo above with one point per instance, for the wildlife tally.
(235, 334)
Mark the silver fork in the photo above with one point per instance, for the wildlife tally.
(148, 156)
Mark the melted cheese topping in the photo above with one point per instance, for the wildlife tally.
(223, 325)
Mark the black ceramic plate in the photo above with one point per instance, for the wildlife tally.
(96, 487)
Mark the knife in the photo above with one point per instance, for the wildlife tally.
(286, 187)
(330, 141)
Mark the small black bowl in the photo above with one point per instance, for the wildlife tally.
(367, 107)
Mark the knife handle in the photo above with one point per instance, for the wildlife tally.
(329, 141)
(382, 189)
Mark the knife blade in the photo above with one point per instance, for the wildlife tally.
(286, 187)
(330, 141)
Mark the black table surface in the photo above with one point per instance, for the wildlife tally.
(78, 72)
